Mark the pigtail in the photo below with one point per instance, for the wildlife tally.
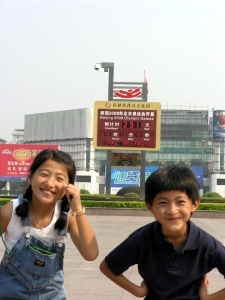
(22, 210)
(61, 223)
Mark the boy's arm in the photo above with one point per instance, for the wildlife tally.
(203, 291)
(123, 282)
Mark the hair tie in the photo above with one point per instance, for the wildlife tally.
(64, 212)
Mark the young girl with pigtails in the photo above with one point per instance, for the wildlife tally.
(35, 225)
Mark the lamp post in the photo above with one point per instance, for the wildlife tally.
(108, 67)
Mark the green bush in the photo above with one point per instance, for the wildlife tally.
(4, 201)
(131, 195)
(212, 206)
(212, 200)
(83, 191)
(129, 189)
(114, 204)
(117, 202)
(212, 195)
(100, 197)
(141, 205)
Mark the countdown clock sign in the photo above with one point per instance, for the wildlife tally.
(125, 125)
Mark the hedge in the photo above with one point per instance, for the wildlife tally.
(134, 204)
(141, 204)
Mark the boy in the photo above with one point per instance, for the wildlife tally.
(172, 253)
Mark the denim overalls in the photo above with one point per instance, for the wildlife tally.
(32, 269)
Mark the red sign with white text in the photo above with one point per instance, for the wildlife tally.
(16, 159)
(127, 128)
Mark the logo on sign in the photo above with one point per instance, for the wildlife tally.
(127, 94)
(6, 151)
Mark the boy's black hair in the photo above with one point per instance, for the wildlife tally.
(171, 178)
(60, 157)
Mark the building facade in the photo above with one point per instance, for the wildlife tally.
(186, 139)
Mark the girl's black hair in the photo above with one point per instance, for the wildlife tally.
(58, 156)
(172, 178)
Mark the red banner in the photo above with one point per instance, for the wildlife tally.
(16, 159)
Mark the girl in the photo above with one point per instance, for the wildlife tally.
(34, 227)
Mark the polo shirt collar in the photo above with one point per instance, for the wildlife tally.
(191, 243)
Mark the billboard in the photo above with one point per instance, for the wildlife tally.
(130, 176)
(219, 124)
(121, 177)
(15, 160)
(127, 125)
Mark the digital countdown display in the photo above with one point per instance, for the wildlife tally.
(131, 124)
(127, 125)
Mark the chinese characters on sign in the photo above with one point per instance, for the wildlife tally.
(15, 160)
(127, 125)
(127, 128)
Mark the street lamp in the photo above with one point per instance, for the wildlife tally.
(108, 67)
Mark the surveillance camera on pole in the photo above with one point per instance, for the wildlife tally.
(97, 66)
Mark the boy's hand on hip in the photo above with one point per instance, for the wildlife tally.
(142, 290)
(203, 288)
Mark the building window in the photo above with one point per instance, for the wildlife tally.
(81, 178)
(220, 181)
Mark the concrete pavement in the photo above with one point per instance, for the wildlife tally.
(84, 281)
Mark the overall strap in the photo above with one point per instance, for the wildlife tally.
(24, 221)
(62, 232)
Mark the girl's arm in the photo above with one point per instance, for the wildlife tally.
(79, 227)
(123, 282)
(5, 215)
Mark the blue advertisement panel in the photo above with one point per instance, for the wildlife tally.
(121, 177)
(199, 172)
(218, 124)
(130, 176)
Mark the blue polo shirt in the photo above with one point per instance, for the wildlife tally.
(169, 274)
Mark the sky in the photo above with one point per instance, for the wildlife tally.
(48, 49)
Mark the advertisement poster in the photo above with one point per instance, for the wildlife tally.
(15, 160)
(219, 124)
(122, 177)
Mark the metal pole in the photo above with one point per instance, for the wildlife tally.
(143, 152)
(109, 67)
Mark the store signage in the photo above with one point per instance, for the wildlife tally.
(16, 159)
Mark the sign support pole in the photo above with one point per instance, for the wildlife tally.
(143, 152)
(109, 67)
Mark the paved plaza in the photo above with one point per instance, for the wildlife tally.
(84, 281)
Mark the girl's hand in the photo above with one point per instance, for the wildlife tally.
(203, 288)
(73, 196)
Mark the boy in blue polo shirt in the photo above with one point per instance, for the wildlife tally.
(172, 253)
